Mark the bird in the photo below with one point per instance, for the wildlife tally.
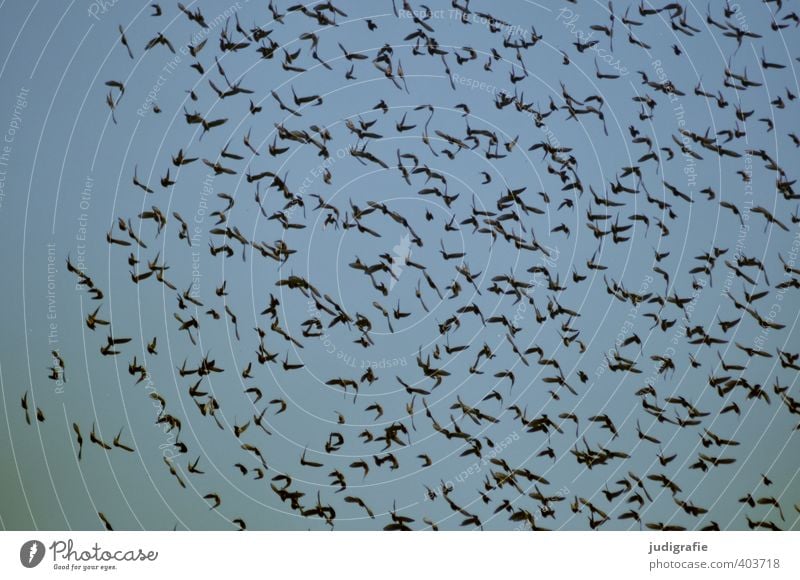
(106, 523)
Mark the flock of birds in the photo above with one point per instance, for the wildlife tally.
(635, 209)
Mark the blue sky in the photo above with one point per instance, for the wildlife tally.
(67, 179)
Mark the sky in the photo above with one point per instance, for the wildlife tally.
(66, 169)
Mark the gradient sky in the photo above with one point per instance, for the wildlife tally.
(67, 171)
